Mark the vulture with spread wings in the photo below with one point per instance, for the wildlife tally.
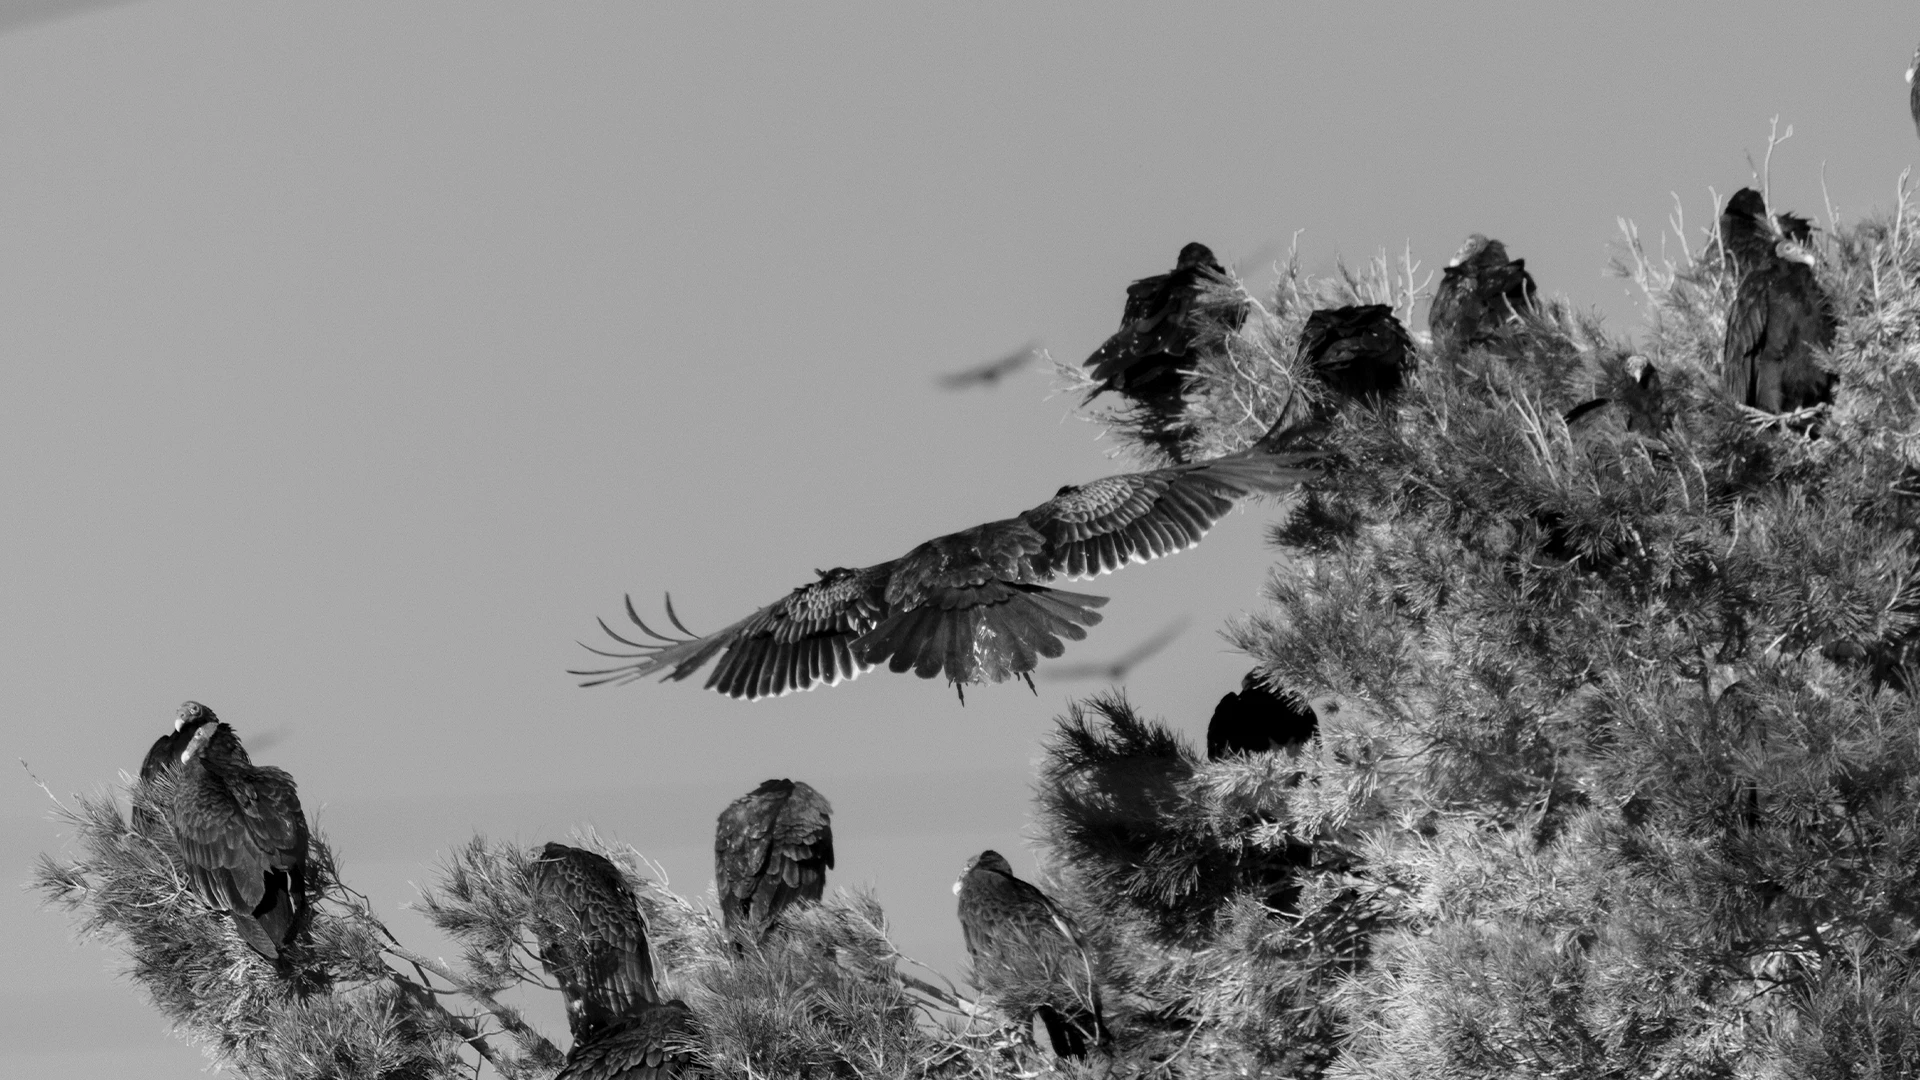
(241, 833)
(592, 938)
(1780, 313)
(772, 848)
(1480, 291)
(973, 605)
(1028, 952)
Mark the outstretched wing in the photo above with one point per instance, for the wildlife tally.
(991, 372)
(798, 642)
(1098, 527)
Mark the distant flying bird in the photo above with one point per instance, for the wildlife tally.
(972, 604)
(1360, 352)
(772, 848)
(164, 758)
(1913, 93)
(1148, 359)
(592, 937)
(1116, 669)
(991, 372)
(1027, 951)
(241, 833)
(1480, 291)
(1780, 313)
(1256, 720)
(640, 1047)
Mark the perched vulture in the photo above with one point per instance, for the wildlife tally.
(1913, 92)
(1256, 719)
(1780, 313)
(593, 940)
(772, 848)
(1148, 358)
(1028, 952)
(1638, 396)
(1480, 291)
(973, 604)
(241, 833)
(640, 1047)
(164, 757)
(1360, 352)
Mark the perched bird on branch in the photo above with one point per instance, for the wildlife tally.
(1360, 352)
(1480, 292)
(1913, 93)
(592, 937)
(1637, 394)
(645, 1046)
(991, 372)
(1167, 319)
(1780, 313)
(162, 759)
(1029, 953)
(974, 604)
(772, 848)
(241, 834)
(1256, 720)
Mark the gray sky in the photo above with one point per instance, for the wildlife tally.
(358, 354)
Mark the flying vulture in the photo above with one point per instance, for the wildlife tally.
(1913, 93)
(164, 757)
(641, 1047)
(1360, 352)
(241, 833)
(593, 940)
(1027, 951)
(1256, 719)
(772, 848)
(991, 372)
(1480, 291)
(972, 604)
(1116, 669)
(1780, 313)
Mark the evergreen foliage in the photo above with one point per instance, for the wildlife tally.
(1616, 772)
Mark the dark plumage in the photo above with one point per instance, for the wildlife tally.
(164, 757)
(1638, 396)
(1480, 292)
(241, 834)
(973, 604)
(1780, 313)
(991, 372)
(1360, 352)
(772, 848)
(1256, 720)
(638, 1048)
(592, 938)
(1027, 951)
(1913, 90)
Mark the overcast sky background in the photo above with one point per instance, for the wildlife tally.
(358, 354)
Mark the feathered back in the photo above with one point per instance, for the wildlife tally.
(592, 937)
(1026, 950)
(1256, 719)
(772, 848)
(642, 1047)
(243, 837)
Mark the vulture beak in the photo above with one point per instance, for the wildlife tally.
(956, 886)
(1910, 74)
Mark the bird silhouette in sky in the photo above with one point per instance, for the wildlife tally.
(1116, 669)
(990, 373)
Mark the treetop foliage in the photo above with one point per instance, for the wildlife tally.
(1616, 774)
